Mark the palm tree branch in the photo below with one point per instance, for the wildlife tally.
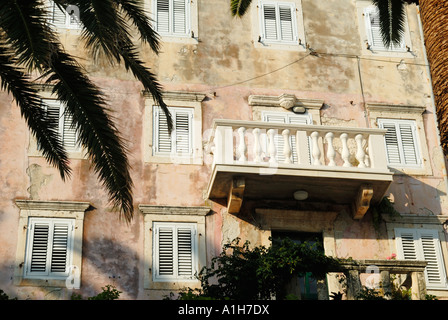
(45, 129)
(392, 19)
(239, 7)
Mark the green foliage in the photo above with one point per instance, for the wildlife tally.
(240, 272)
(385, 206)
(109, 292)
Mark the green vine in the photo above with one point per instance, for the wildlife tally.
(385, 206)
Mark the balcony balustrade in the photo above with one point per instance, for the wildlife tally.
(261, 160)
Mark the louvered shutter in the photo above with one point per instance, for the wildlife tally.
(278, 22)
(49, 247)
(179, 17)
(162, 137)
(401, 142)
(278, 117)
(163, 16)
(174, 251)
(185, 251)
(286, 26)
(67, 132)
(180, 141)
(373, 30)
(423, 244)
(270, 22)
(57, 16)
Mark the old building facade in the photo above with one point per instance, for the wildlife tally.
(294, 120)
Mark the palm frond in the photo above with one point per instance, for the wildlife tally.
(45, 130)
(134, 10)
(239, 7)
(41, 49)
(105, 30)
(392, 19)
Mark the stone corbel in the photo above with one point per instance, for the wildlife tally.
(362, 201)
(236, 195)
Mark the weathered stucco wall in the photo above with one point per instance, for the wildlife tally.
(227, 67)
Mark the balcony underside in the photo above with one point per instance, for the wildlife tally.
(353, 186)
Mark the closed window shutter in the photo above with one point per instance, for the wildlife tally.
(270, 22)
(179, 17)
(166, 251)
(174, 251)
(286, 26)
(373, 30)
(183, 132)
(68, 133)
(57, 16)
(49, 247)
(163, 16)
(185, 251)
(401, 142)
(180, 141)
(278, 138)
(423, 244)
(161, 134)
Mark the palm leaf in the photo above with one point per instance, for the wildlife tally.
(239, 7)
(392, 19)
(45, 129)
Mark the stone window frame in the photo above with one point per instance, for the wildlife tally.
(180, 100)
(174, 214)
(361, 5)
(404, 112)
(48, 209)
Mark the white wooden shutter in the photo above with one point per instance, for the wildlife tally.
(179, 16)
(278, 22)
(373, 30)
(180, 141)
(270, 22)
(58, 17)
(161, 135)
(49, 247)
(163, 16)
(56, 110)
(280, 117)
(172, 17)
(286, 22)
(423, 244)
(401, 142)
(174, 251)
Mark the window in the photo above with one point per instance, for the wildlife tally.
(371, 39)
(64, 16)
(49, 253)
(278, 23)
(287, 118)
(375, 41)
(423, 244)
(184, 144)
(172, 17)
(49, 248)
(56, 110)
(401, 142)
(175, 251)
(179, 143)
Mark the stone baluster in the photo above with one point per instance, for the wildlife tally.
(271, 146)
(316, 150)
(330, 149)
(360, 154)
(257, 145)
(242, 148)
(286, 146)
(345, 154)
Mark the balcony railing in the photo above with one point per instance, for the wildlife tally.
(319, 155)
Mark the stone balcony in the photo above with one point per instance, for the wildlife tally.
(261, 160)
